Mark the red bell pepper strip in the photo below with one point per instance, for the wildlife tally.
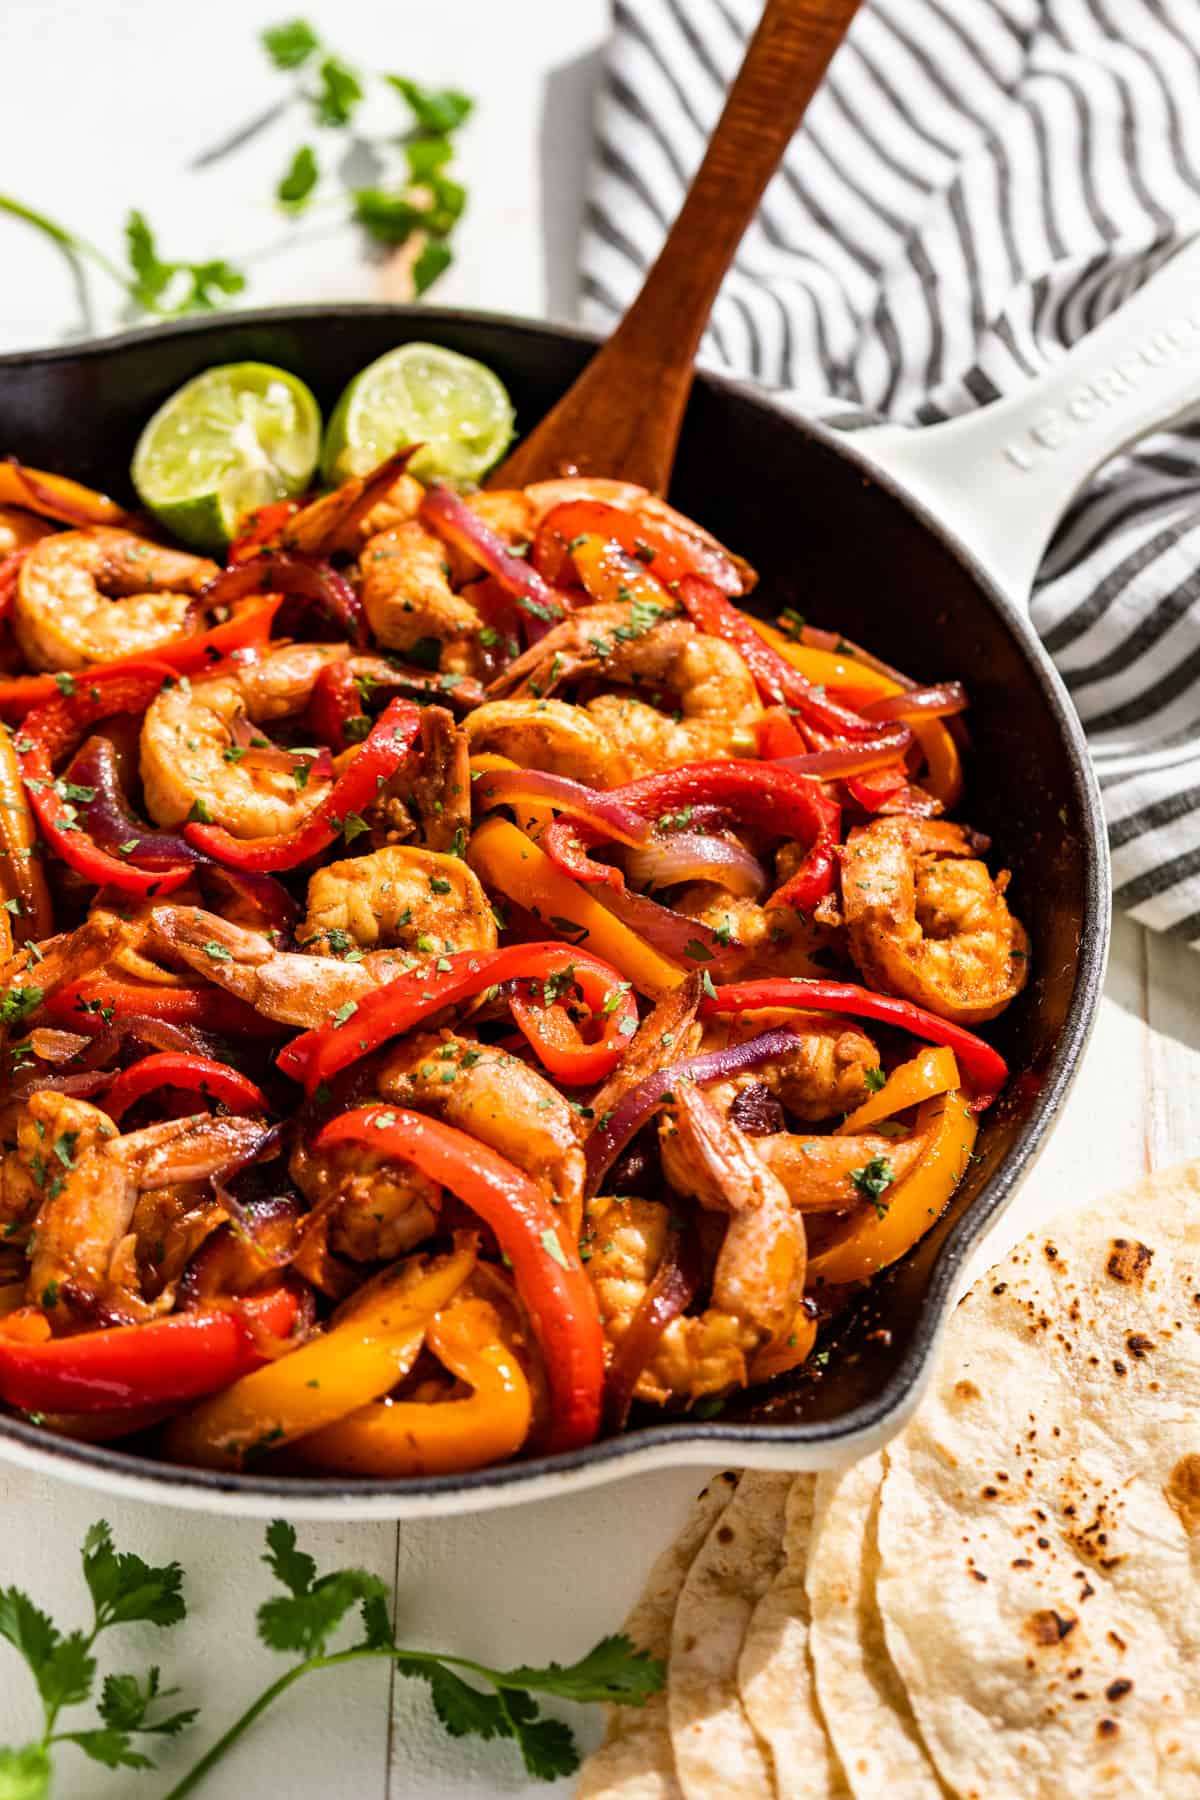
(95, 1002)
(50, 731)
(400, 1005)
(545, 1262)
(248, 629)
(168, 1361)
(334, 701)
(662, 548)
(983, 1067)
(260, 529)
(778, 682)
(193, 1075)
(383, 750)
(289, 573)
(767, 798)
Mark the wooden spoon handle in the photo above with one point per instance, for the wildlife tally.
(622, 417)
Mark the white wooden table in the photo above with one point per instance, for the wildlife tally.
(547, 1580)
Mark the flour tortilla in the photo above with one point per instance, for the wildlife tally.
(717, 1751)
(775, 1674)
(1039, 1526)
(861, 1697)
(635, 1761)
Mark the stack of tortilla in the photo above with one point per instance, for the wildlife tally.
(1004, 1604)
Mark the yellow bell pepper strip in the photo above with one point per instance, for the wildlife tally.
(835, 671)
(27, 909)
(370, 1345)
(984, 1068)
(510, 864)
(414, 1437)
(534, 818)
(902, 1214)
(531, 1233)
(932, 1071)
(550, 973)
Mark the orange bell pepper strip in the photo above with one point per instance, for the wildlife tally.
(414, 1437)
(370, 1345)
(879, 1235)
(510, 864)
(531, 1233)
(933, 1070)
(57, 497)
(842, 675)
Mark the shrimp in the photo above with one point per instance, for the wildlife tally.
(391, 898)
(328, 523)
(669, 658)
(549, 735)
(190, 751)
(407, 594)
(500, 1100)
(84, 1250)
(90, 596)
(759, 1272)
(823, 1076)
(927, 921)
(764, 940)
(441, 789)
(364, 1207)
(818, 1172)
(291, 988)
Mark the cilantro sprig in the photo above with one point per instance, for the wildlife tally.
(302, 1620)
(124, 1591)
(469, 1698)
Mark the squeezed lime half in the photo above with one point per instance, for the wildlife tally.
(233, 439)
(419, 393)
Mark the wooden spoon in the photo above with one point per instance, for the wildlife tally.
(623, 415)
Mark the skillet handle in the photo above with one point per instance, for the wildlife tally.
(1001, 478)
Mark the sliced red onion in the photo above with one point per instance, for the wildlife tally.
(611, 1135)
(109, 819)
(940, 702)
(686, 941)
(851, 758)
(695, 856)
(56, 1046)
(82, 1085)
(674, 1287)
(458, 524)
(263, 894)
(287, 572)
(617, 821)
(155, 1034)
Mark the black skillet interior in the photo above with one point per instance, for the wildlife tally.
(850, 555)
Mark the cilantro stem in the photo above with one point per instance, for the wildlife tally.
(406, 1660)
(66, 240)
(269, 1695)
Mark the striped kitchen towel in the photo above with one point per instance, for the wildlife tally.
(977, 183)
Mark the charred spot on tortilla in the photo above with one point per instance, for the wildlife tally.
(1182, 1493)
(1107, 1728)
(1117, 1690)
(965, 1391)
(1128, 1260)
(1138, 1345)
(1049, 1627)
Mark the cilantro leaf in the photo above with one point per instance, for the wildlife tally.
(294, 1568)
(426, 155)
(66, 1677)
(614, 1671)
(433, 262)
(124, 1588)
(172, 288)
(291, 44)
(377, 1624)
(112, 1748)
(390, 219)
(547, 1745)
(465, 1711)
(305, 1621)
(27, 1629)
(25, 1773)
(299, 179)
(875, 1079)
(125, 1702)
(438, 110)
(339, 93)
(872, 1180)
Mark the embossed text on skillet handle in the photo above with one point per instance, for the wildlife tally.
(1001, 478)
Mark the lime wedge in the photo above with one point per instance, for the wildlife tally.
(420, 393)
(232, 439)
